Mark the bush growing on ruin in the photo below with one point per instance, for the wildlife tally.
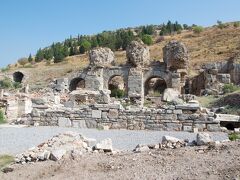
(6, 83)
(2, 118)
(117, 93)
(234, 136)
(198, 29)
(17, 85)
(229, 88)
(147, 39)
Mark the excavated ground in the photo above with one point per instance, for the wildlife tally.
(220, 162)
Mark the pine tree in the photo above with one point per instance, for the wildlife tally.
(30, 59)
(39, 56)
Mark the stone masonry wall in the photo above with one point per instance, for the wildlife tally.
(171, 118)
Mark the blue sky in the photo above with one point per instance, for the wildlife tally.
(26, 25)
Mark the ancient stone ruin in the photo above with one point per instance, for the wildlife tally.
(138, 95)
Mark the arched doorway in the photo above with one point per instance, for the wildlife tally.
(18, 77)
(154, 86)
(117, 86)
(76, 83)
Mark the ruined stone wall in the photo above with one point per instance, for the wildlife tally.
(171, 118)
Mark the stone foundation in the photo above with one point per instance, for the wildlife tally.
(113, 116)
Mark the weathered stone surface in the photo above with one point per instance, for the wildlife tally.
(141, 148)
(170, 139)
(227, 117)
(201, 127)
(113, 113)
(203, 139)
(96, 114)
(101, 56)
(170, 95)
(64, 122)
(191, 105)
(187, 128)
(213, 127)
(105, 145)
(175, 55)
(138, 54)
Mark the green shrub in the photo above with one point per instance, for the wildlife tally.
(229, 88)
(220, 25)
(234, 136)
(2, 118)
(6, 83)
(147, 39)
(17, 85)
(5, 69)
(236, 24)
(198, 29)
(117, 93)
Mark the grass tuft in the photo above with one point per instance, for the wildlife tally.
(5, 160)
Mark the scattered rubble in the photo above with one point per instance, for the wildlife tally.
(202, 139)
(68, 143)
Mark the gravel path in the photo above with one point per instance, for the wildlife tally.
(16, 140)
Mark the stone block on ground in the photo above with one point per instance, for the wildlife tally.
(141, 148)
(57, 154)
(203, 139)
(105, 145)
(170, 139)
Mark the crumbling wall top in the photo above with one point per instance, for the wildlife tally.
(138, 54)
(175, 55)
(101, 57)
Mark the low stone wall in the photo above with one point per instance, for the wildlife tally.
(171, 118)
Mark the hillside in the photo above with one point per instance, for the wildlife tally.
(213, 44)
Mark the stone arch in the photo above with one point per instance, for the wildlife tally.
(18, 77)
(116, 71)
(117, 83)
(76, 83)
(154, 86)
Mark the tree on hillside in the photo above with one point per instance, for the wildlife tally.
(123, 38)
(94, 42)
(84, 47)
(107, 39)
(48, 54)
(170, 28)
(30, 59)
(148, 30)
(39, 55)
(23, 61)
(60, 52)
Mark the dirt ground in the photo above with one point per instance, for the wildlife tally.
(221, 162)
